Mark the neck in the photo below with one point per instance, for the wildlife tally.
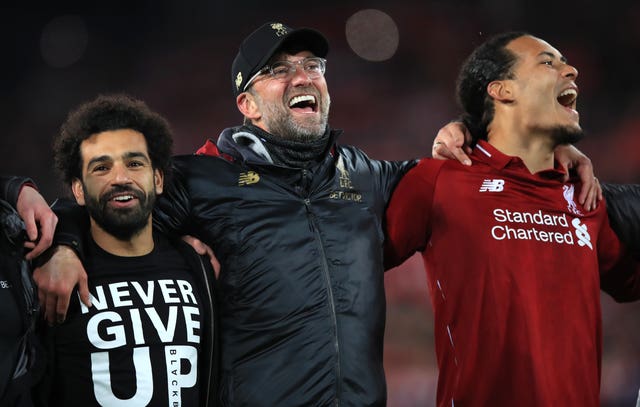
(534, 149)
(294, 153)
(138, 245)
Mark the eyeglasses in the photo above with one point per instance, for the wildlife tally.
(314, 68)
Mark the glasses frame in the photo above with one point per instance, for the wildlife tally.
(292, 64)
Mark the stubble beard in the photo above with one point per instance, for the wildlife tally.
(281, 123)
(121, 223)
(562, 135)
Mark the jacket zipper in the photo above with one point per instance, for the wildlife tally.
(327, 278)
(203, 270)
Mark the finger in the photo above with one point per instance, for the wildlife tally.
(83, 291)
(440, 151)
(62, 304)
(50, 309)
(461, 156)
(30, 226)
(215, 264)
(42, 300)
(46, 238)
(38, 250)
(589, 203)
(584, 194)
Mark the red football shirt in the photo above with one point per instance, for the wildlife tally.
(514, 265)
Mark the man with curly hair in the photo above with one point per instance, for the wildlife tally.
(148, 339)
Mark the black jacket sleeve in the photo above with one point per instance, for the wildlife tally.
(623, 208)
(10, 188)
(73, 225)
(173, 208)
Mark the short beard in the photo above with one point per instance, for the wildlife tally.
(123, 223)
(280, 123)
(566, 135)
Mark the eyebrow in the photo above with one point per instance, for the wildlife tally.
(128, 155)
(552, 55)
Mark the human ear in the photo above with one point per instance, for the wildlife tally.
(247, 105)
(500, 91)
(158, 181)
(78, 191)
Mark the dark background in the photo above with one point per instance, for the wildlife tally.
(176, 56)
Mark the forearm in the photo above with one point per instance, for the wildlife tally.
(10, 187)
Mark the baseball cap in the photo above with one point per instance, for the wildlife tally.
(256, 50)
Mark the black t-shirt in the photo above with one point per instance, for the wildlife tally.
(138, 345)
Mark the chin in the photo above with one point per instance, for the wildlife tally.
(567, 134)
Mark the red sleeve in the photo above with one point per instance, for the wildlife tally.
(619, 270)
(408, 215)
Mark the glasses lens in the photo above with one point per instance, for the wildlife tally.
(314, 67)
(282, 69)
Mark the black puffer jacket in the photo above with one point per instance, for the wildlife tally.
(302, 291)
(623, 208)
(20, 353)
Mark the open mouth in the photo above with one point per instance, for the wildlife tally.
(568, 97)
(304, 103)
(123, 198)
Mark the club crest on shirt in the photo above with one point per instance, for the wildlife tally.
(568, 192)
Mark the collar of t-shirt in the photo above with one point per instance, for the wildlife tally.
(488, 154)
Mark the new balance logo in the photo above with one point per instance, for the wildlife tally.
(248, 178)
(492, 185)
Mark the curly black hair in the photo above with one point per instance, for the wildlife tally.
(489, 62)
(105, 113)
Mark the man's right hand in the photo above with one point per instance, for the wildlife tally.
(56, 279)
(452, 143)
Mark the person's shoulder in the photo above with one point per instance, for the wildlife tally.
(196, 163)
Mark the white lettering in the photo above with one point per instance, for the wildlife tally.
(191, 324)
(145, 296)
(118, 291)
(166, 287)
(178, 379)
(186, 291)
(116, 331)
(165, 333)
(102, 379)
(136, 323)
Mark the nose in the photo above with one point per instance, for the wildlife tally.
(300, 76)
(570, 71)
(121, 174)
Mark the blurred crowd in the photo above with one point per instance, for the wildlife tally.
(177, 55)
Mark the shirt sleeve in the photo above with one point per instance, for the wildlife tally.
(10, 187)
(408, 215)
(173, 208)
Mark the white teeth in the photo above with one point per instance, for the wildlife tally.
(123, 198)
(569, 92)
(302, 98)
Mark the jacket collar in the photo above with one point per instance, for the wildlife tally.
(243, 143)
